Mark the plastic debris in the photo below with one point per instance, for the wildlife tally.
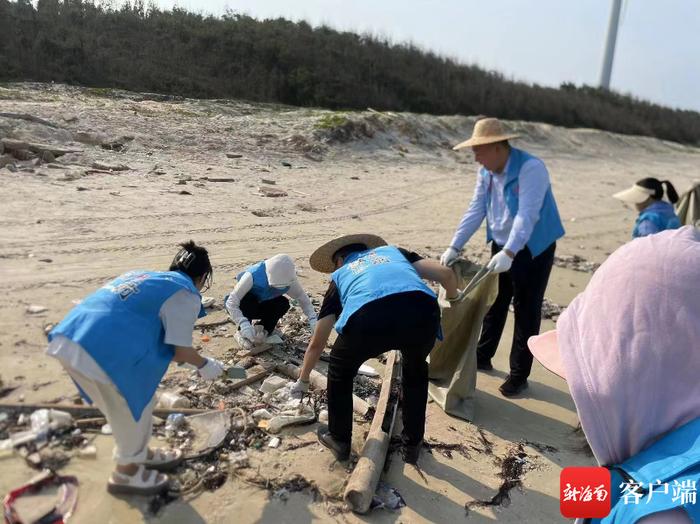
(261, 414)
(235, 372)
(274, 443)
(280, 422)
(49, 419)
(205, 338)
(368, 371)
(174, 422)
(272, 384)
(88, 452)
(238, 460)
(7, 449)
(386, 497)
(35, 310)
(210, 429)
(106, 429)
(59, 509)
(274, 339)
(172, 400)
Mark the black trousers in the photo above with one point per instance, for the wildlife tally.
(267, 312)
(408, 322)
(525, 283)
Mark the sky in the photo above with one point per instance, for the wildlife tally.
(547, 42)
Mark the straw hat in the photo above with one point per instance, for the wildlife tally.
(486, 131)
(635, 194)
(322, 259)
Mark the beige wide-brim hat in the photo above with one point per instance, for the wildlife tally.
(634, 195)
(486, 131)
(322, 259)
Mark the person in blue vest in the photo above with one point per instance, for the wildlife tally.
(259, 295)
(117, 344)
(628, 349)
(513, 193)
(655, 214)
(377, 301)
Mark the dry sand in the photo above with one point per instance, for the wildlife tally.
(64, 232)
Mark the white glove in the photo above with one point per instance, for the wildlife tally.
(212, 370)
(299, 388)
(247, 330)
(449, 256)
(500, 262)
(312, 324)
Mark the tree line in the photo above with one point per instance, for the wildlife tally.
(142, 48)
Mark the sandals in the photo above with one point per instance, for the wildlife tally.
(164, 459)
(143, 482)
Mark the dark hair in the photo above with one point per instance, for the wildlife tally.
(658, 187)
(346, 250)
(193, 260)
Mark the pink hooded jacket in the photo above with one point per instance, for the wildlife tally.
(630, 346)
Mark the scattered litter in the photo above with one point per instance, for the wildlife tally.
(274, 443)
(576, 263)
(44, 420)
(42, 509)
(238, 460)
(274, 339)
(280, 422)
(235, 372)
(550, 310)
(368, 371)
(88, 452)
(210, 429)
(234, 155)
(174, 422)
(323, 416)
(106, 429)
(205, 338)
(386, 497)
(110, 167)
(261, 414)
(35, 310)
(172, 400)
(272, 384)
(268, 181)
(286, 164)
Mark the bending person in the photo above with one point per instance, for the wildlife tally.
(117, 344)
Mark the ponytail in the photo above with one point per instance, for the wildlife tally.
(670, 191)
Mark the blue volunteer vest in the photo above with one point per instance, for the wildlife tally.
(373, 274)
(662, 216)
(549, 227)
(120, 327)
(674, 460)
(261, 286)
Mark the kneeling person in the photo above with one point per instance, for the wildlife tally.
(259, 295)
(117, 344)
(377, 302)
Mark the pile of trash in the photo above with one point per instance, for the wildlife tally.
(46, 439)
(550, 310)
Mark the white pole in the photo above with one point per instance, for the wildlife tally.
(610, 45)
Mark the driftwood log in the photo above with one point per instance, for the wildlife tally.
(12, 146)
(363, 481)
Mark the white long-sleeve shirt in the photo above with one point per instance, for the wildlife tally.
(245, 284)
(510, 232)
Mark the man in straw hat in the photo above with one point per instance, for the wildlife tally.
(377, 302)
(514, 194)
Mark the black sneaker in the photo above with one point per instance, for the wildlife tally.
(340, 450)
(484, 365)
(411, 452)
(513, 386)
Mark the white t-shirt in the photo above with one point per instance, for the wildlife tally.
(178, 315)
